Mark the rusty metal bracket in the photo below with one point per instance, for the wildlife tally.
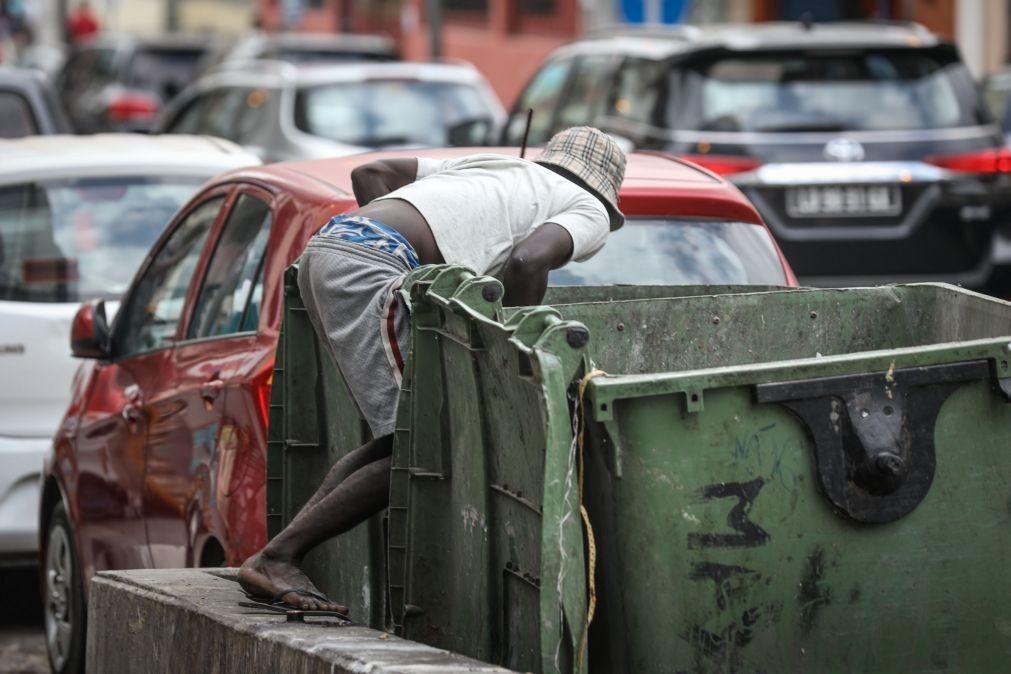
(873, 433)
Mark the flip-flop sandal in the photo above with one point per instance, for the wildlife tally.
(277, 601)
(293, 615)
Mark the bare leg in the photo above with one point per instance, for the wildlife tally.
(380, 448)
(356, 488)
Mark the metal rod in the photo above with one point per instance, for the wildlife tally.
(172, 16)
(434, 11)
(526, 133)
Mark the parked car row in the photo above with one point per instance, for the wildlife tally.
(158, 460)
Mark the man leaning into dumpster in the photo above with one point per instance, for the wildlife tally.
(498, 215)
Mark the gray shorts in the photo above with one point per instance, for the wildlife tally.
(349, 293)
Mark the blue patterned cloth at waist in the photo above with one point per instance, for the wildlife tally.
(371, 234)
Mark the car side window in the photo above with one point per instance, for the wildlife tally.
(256, 105)
(151, 313)
(542, 95)
(16, 118)
(229, 300)
(189, 118)
(222, 112)
(586, 94)
(636, 90)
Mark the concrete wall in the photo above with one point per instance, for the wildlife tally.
(172, 621)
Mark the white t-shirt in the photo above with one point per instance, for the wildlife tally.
(480, 206)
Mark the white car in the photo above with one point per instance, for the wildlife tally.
(77, 216)
(283, 111)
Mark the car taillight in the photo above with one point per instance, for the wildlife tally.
(723, 165)
(985, 161)
(129, 107)
(262, 382)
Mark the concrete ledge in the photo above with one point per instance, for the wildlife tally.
(189, 620)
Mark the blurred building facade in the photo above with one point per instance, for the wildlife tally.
(229, 17)
(146, 17)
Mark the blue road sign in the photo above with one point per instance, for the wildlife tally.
(654, 11)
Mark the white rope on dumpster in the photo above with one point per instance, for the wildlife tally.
(591, 544)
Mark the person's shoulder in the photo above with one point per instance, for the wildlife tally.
(490, 158)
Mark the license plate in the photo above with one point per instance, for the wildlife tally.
(843, 201)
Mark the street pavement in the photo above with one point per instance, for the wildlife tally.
(22, 644)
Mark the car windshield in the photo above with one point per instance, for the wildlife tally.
(658, 251)
(69, 241)
(164, 71)
(810, 91)
(376, 113)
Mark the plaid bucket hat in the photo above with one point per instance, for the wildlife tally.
(593, 160)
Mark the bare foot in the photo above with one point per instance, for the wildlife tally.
(264, 577)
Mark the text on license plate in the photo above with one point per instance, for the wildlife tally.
(843, 200)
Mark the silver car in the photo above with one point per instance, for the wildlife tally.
(283, 111)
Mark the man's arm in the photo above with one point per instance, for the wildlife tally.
(379, 178)
(525, 275)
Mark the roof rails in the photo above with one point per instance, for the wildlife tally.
(694, 33)
(258, 66)
(675, 32)
(913, 26)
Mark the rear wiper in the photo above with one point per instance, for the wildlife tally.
(382, 141)
(803, 126)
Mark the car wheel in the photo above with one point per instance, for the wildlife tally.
(63, 597)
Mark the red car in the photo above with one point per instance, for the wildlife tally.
(160, 458)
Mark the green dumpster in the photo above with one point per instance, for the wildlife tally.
(788, 480)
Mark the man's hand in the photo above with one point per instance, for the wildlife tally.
(525, 275)
(379, 178)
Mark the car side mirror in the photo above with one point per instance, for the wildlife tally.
(469, 132)
(89, 332)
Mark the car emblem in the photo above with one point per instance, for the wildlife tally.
(843, 149)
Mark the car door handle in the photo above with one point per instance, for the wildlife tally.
(131, 413)
(210, 390)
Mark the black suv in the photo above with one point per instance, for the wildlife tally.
(867, 147)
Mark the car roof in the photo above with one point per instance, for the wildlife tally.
(22, 78)
(54, 156)
(664, 42)
(270, 73)
(650, 178)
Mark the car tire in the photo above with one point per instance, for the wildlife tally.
(63, 597)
